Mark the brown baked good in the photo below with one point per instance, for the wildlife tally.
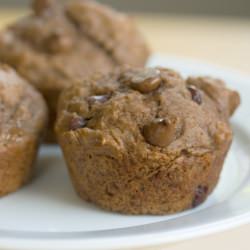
(59, 44)
(23, 115)
(145, 141)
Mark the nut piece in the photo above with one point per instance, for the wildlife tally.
(39, 6)
(98, 99)
(196, 94)
(77, 123)
(223, 134)
(145, 80)
(58, 42)
(160, 132)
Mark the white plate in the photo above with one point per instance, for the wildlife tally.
(47, 214)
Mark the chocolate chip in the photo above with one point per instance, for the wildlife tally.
(58, 42)
(196, 94)
(147, 85)
(200, 195)
(160, 132)
(39, 6)
(144, 81)
(98, 99)
(77, 123)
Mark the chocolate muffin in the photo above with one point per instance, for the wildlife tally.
(23, 115)
(146, 141)
(58, 44)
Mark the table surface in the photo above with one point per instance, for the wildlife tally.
(221, 41)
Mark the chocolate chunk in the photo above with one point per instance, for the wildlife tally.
(160, 132)
(145, 81)
(200, 195)
(196, 94)
(39, 6)
(77, 123)
(98, 99)
(58, 42)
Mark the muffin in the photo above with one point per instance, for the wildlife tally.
(145, 141)
(58, 44)
(23, 115)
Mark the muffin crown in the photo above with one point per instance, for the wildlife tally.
(81, 34)
(153, 107)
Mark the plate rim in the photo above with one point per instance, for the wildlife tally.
(30, 240)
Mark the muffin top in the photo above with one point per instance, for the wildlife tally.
(22, 109)
(152, 109)
(83, 35)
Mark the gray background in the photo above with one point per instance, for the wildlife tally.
(197, 7)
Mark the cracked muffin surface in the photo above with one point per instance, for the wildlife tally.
(59, 44)
(145, 141)
(23, 120)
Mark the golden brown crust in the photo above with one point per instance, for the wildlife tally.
(135, 146)
(23, 120)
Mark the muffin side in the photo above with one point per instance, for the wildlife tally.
(23, 121)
